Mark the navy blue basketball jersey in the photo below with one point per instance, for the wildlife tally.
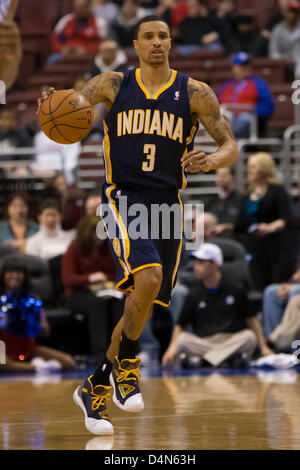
(146, 136)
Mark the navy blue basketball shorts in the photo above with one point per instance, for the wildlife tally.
(143, 232)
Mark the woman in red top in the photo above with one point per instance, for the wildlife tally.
(88, 268)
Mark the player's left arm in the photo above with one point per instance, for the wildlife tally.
(205, 106)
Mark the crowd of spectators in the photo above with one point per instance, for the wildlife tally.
(194, 26)
(248, 247)
(214, 319)
(105, 29)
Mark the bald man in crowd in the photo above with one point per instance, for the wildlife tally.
(109, 59)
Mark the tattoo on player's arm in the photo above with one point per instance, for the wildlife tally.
(206, 107)
(116, 84)
(102, 88)
(91, 90)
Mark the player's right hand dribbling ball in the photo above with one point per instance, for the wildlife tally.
(66, 116)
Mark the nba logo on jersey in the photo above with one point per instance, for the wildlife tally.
(177, 95)
(119, 193)
(117, 247)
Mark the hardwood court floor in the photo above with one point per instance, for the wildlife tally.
(212, 412)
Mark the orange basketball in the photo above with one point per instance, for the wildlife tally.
(66, 117)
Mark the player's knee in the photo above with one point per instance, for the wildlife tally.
(154, 279)
(149, 280)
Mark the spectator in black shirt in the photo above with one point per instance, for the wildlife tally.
(225, 10)
(221, 317)
(276, 18)
(225, 205)
(261, 224)
(122, 29)
(248, 38)
(199, 30)
(224, 14)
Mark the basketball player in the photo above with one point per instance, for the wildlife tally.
(152, 120)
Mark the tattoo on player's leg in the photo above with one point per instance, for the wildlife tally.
(133, 316)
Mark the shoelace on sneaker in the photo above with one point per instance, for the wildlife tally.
(124, 375)
(99, 400)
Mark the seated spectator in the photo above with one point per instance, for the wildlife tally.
(275, 299)
(70, 199)
(122, 29)
(92, 203)
(276, 18)
(246, 95)
(204, 227)
(105, 9)
(225, 10)
(110, 58)
(224, 14)
(248, 38)
(234, 262)
(284, 39)
(288, 330)
(225, 205)
(11, 136)
(223, 324)
(199, 31)
(261, 224)
(17, 227)
(179, 11)
(50, 240)
(77, 33)
(87, 267)
(51, 157)
(23, 321)
(165, 9)
(210, 224)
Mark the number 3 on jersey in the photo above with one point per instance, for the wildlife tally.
(150, 150)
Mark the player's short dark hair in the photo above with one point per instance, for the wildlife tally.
(146, 20)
